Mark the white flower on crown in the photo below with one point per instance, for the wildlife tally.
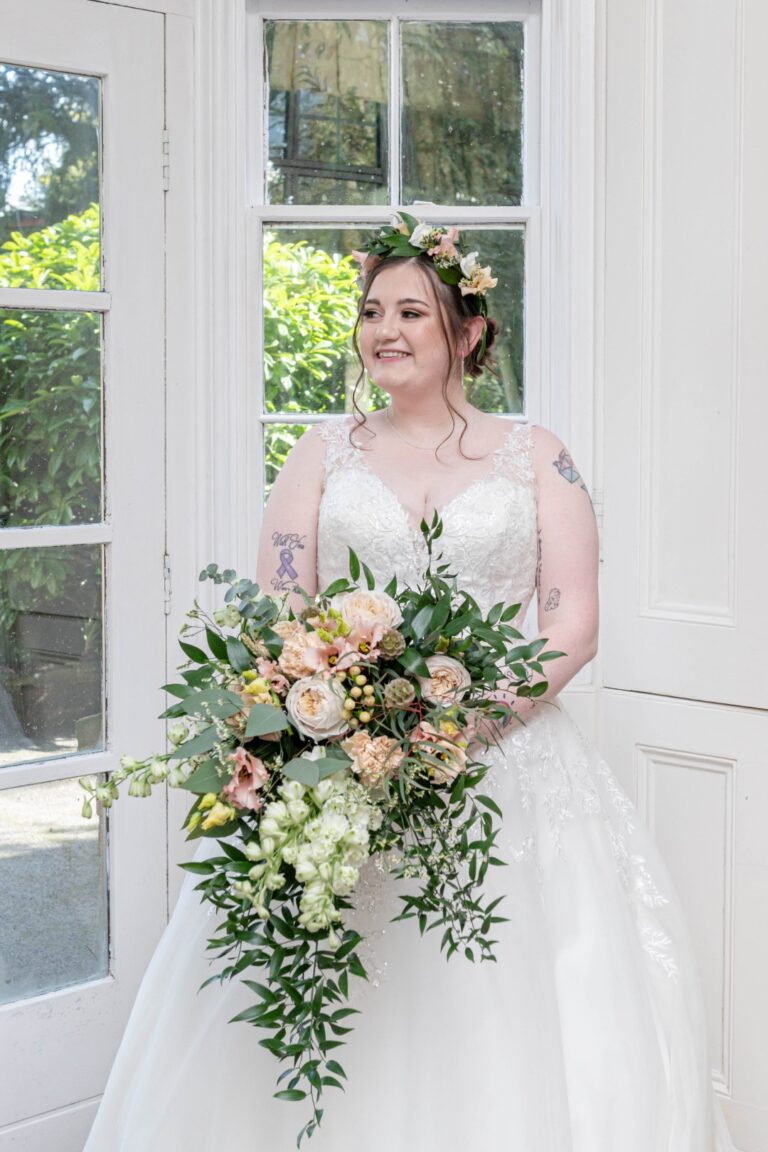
(421, 237)
(468, 264)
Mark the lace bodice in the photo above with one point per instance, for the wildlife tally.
(489, 528)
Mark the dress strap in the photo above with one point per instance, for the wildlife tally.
(515, 458)
(338, 449)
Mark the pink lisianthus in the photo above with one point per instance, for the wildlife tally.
(334, 657)
(249, 776)
(365, 639)
(270, 671)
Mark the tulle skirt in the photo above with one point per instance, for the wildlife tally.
(586, 1035)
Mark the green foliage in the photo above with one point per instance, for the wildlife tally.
(50, 405)
(309, 312)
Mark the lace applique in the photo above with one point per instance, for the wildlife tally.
(562, 790)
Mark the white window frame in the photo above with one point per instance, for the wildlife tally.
(261, 214)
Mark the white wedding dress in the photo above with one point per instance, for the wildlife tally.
(587, 1035)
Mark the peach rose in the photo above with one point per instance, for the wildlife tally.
(316, 707)
(373, 757)
(447, 682)
(363, 609)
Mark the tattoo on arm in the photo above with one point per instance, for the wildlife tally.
(569, 471)
(553, 599)
(288, 542)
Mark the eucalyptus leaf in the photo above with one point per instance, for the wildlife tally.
(204, 779)
(203, 742)
(264, 718)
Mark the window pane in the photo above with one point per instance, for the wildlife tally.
(53, 893)
(310, 305)
(278, 441)
(462, 112)
(49, 179)
(504, 250)
(327, 110)
(50, 418)
(51, 658)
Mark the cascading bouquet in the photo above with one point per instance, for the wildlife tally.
(311, 743)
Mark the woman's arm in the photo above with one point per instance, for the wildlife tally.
(566, 575)
(288, 543)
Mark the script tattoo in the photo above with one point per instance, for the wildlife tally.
(286, 576)
(568, 469)
(552, 600)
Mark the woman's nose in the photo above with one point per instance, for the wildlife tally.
(388, 329)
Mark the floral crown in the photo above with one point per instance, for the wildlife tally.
(406, 236)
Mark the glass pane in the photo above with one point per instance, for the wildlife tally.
(504, 249)
(51, 655)
(50, 418)
(310, 305)
(462, 112)
(49, 179)
(53, 891)
(327, 109)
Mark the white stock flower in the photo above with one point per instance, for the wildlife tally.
(298, 810)
(292, 790)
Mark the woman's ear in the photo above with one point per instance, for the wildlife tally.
(473, 330)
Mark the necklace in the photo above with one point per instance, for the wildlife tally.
(411, 443)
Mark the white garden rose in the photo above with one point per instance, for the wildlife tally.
(316, 707)
(366, 607)
(447, 682)
(468, 263)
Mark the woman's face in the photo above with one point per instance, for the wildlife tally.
(402, 340)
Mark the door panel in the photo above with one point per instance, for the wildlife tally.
(81, 551)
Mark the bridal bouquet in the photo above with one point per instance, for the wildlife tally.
(311, 743)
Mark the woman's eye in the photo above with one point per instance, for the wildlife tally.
(409, 314)
(369, 314)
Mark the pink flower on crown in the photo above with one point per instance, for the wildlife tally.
(445, 249)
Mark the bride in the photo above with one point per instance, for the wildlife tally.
(588, 1033)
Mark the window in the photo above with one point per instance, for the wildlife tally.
(349, 120)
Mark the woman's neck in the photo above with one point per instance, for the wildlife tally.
(425, 415)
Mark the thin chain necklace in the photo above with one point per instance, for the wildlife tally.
(396, 430)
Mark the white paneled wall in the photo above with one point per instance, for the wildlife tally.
(684, 712)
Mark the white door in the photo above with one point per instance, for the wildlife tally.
(685, 626)
(82, 622)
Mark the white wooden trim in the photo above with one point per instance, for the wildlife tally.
(368, 214)
(170, 7)
(442, 10)
(41, 299)
(46, 537)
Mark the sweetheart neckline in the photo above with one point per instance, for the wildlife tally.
(416, 533)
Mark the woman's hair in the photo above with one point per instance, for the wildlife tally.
(454, 310)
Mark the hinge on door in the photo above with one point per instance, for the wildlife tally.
(166, 160)
(167, 583)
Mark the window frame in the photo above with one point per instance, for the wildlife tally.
(260, 214)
